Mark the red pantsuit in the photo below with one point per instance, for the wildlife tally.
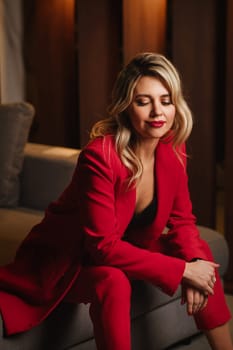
(83, 252)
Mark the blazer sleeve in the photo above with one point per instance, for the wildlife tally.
(183, 235)
(95, 178)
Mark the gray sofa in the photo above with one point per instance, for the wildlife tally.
(158, 321)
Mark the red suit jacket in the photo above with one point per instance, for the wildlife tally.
(87, 225)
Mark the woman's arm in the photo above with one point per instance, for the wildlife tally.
(183, 236)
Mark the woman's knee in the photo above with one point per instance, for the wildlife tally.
(113, 284)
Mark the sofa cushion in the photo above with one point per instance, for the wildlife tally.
(15, 122)
(14, 226)
(46, 172)
(68, 325)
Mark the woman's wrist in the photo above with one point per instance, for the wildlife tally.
(195, 259)
(187, 274)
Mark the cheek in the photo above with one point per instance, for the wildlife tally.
(136, 123)
(135, 117)
(171, 116)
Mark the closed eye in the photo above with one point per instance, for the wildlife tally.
(166, 103)
(142, 101)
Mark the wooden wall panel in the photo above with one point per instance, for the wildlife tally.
(99, 58)
(144, 27)
(49, 52)
(193, 48)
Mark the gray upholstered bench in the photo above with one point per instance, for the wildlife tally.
(69, 326)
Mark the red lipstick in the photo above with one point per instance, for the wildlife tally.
(156, 124)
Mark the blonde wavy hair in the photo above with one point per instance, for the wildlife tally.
(118, 123)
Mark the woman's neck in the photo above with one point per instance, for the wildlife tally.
(146, 150)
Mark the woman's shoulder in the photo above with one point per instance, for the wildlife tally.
(102, 149)
(100, 153)
(103, 146)
(101, 143)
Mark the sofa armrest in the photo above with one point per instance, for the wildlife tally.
(218, 246)
(46, 172)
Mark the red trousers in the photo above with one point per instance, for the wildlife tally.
(108, 290)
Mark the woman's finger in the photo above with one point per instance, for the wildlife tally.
(207, 289)
(205, 302)
(189, 300)
(213, 279)
(201, 301)
(198, 301)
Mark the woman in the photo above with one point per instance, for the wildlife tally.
(106, 227)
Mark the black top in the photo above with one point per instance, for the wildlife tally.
(146, 217)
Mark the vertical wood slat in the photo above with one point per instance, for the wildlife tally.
(229, 141)
(144, 27)
(99, 59)
(193, 53)
(50, 70)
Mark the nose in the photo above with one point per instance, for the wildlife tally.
(156, 110)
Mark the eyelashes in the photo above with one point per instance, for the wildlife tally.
(142, 103)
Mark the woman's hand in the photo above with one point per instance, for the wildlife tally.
(195, 300)
(201, 275)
